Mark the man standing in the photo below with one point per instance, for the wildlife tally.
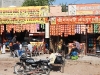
(16, 48)
(14, 39)
(30, 48)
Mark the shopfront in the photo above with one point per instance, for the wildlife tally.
(84, 29)
(19, 19)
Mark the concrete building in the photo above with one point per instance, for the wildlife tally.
(57, 11)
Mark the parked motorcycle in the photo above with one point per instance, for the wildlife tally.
(27, 66)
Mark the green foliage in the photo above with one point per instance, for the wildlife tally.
(64, 7)
(37, 2)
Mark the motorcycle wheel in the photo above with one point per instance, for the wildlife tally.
(19, 70)
(47, 70)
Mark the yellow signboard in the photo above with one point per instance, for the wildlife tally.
(23, 12)
(23, 21)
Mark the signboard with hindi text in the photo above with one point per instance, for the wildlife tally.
(24, 12)
(84, 9)
(78, 20)
(24, 21)
(24, 15)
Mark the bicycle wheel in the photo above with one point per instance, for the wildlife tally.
(18, 69)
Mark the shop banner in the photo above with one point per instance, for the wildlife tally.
(23, 12)
(84, 9)
(78, 20)
(23, 21)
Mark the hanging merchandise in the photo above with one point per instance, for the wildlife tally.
(96, 28)
(69, 29)
(37, 26)
(62, 29)
(65, 31)
(73, 29)
(83, 29)
(90, 28)
(43, 26)
(52, 30)
(99, 28)
(78, 29)
(59, 28)
(56, 30)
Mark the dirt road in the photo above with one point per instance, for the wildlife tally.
(79, 67)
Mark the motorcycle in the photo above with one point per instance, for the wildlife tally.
(28, 66)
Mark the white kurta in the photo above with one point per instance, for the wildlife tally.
(3, 49)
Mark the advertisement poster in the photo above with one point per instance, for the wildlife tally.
(84, 9)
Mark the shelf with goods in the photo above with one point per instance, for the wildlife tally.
(97, 33)
(93, 31)
(2, 29)
(91, 44)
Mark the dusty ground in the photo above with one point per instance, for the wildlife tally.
(79, 67)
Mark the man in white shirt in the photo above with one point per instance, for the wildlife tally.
(21, 51)
(53, 56)
(30, 48)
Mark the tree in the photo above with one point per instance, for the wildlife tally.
(64, 7)
(37, 2)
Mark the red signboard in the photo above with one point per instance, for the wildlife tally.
(78, 20)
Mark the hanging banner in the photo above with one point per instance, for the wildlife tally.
(78, 20)
(23, 12)
(84, 9)
(23, 21)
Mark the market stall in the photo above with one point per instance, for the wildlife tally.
(84, 29)
(17, 20)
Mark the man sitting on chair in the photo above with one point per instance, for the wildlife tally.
(55, 58)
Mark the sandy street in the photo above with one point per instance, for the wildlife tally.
(84, 66)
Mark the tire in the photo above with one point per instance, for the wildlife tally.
(19, 70)
(47, 71)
